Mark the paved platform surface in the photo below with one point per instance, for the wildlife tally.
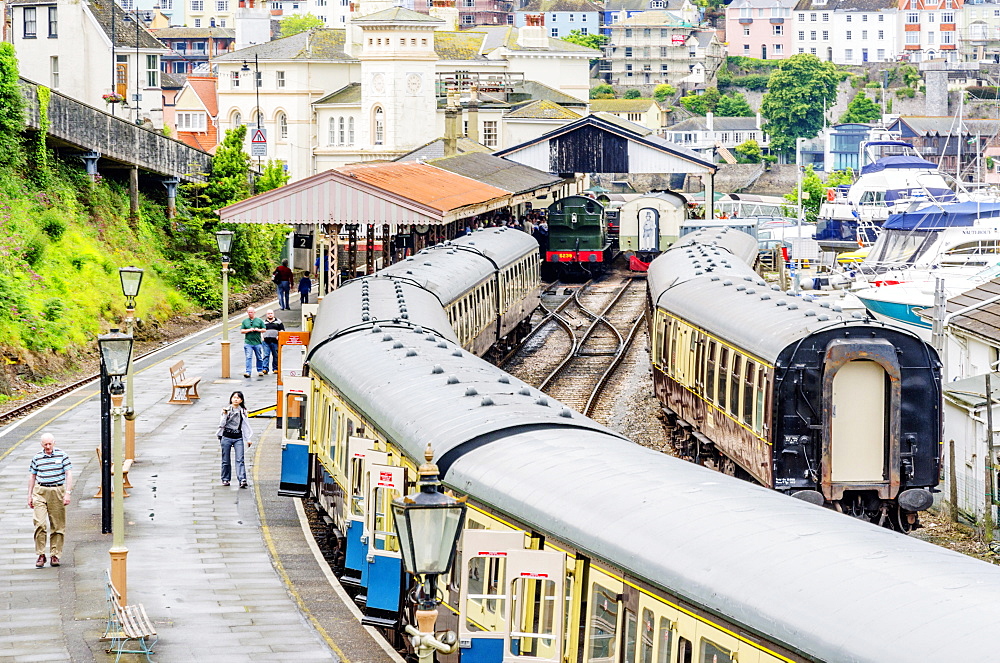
(225, 574)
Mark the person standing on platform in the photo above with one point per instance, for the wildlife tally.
(283, 279)
(50, 482)
(252, 343)
(272, 326)
(234, 432)
(305, 287)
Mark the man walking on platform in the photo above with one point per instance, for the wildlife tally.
(50, 482)
(283, 278)
(253, 345)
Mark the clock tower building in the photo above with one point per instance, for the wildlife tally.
(398, 101)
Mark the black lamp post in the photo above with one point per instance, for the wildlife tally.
(256, 84)
(428, 524)
(224, 240)
(131, 278)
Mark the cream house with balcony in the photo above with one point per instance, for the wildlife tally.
(705, 134)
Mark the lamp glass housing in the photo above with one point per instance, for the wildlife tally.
(131, 281)
(224, 238)
(116, 352)
(428, 523)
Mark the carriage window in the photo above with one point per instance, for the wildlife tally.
(603, 625)
(710, 372)
(385, 531)
(631, 626)
(685, 652)
(357, 486)
(712, 653)
(748, 393)
(761, 389)
(646, 636)
(723, 367)
(674, 332)
(734, 385)
(665, 637)
(533, 623)
(699, 363)
(486, 578)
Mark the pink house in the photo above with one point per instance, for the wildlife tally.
(760, 28)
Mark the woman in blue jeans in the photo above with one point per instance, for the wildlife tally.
(234, 431)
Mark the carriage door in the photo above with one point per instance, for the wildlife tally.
(649, 229)
(383, 563)
(357, 547)
(537, 581)
(483, 599)
(295, 439)
(859, 423)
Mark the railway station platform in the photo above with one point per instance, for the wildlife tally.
(224, 574)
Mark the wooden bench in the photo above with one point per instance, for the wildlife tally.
(126, 466)
(127, 624)
(183, 389)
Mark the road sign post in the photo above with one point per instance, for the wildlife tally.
(258, 143)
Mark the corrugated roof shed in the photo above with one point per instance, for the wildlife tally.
(436, 188)
(501, 173)
(314, 44)
(195, 33)
(542, 110)
(984, 319)
(349, 94)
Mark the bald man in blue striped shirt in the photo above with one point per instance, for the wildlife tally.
(50, 483)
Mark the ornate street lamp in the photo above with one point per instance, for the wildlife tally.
(224, 240)
(116, 356)
(131, 278)
(428, 524)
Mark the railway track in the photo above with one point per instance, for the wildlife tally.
(575, 348)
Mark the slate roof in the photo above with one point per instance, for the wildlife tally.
(846, 5)
(621, 105)
(458, 45)
(171, 81)
(581, 6)
(125, 32)
(194, 33)
(435, 149)
(314, 44)
(542, 110)
(397, 15)
(657, 17)
(538, 91)
(719, 124)
(946, 126)
(501, 173)
(349, 94)
(984, 320)
(436, 188)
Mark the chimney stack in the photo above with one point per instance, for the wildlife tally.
(473, 131)
(452, 115)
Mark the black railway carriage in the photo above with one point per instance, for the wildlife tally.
(578, 235)
(793, 393)
(581, 547)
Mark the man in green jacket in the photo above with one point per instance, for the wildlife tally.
(253, 344)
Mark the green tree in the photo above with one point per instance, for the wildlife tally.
(663, 92)
(296, 23)
(632, 94)
(11, 107)
(749, 152)
(799, 90)
(702, 103)
(603, 91)
(229, 181)
(862, 109)
(594, 41)
(733, 105)
(274, 176)
(813, 193)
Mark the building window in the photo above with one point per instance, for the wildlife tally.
(628, 51)
(746, 48)
(30, 30)
(570, 18)
(350, 131)
(913, 17)
(197, 22)
(826, 18)
(802, 35)
(258, 77)
(864, 35)
(812, 35)
(467, 19)
(234, 78)
(812, 17)
(279, 78)
(930, 18)
(847, 35)
(221, 5)
(849, 54)
(746, 33)
(180, 67)
(53, 22)
(191, 122)
(341, 132)
(881, 54)
(197, 5)
(801, 18)
(912, 37)
(583, 31)
(490, 133)
(777, 30)
(237, 120)
(777, 48)
(947, 37)
(152, 71)
(282, 126)
(628, 67)
(554, 32)
(54, 72)
(881, 17)
(664, 32)
(930, 38)
(378, 126)
(947, 18)
(881, 34)
(826, 35)
(222, 22)
(127, 5)
(166, 4)
(331, 132)
(633, 117)
(864, 18)
(628, 32)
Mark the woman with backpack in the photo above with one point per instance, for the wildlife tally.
(234, 431)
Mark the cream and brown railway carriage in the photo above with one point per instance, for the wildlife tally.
(651, 223)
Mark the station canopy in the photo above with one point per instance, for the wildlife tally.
(384, 193)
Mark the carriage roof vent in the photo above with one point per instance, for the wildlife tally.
(452, 379)
(504, 379)
(727, 282)
(824, 304)
(387, 337)
(376, 329)
(748, 278)
(412, 352)
(857, 316)
(781, 302)
(793, 306)
(775, 288)
(398, 345)
(715, 277)
(837, 308)
(409, 258)
(751, 291)
(541, 400)
(409, 271)
(765, 296)
(428, 264)
(456, 353)
(442, 344)
(437, 370)
(823, 318)
(741, 288)
(566, 412)
(430, 338)
(486, 401)
(418, 330)
(810, 312)
(698, 272)
(524, 391)
(365, 317)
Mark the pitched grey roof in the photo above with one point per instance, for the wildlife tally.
(170, 81)
(506, 36)
(542, 110)
(846, 5)
(640, 5)
(397, 15)
(719, 124)
(435, 149)
(194, 33)
(349, 94)
(581, 6)
(314, 44)
(501, 173)
(125, 31)
(539, 91)
(946, 125)
(984, 320)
